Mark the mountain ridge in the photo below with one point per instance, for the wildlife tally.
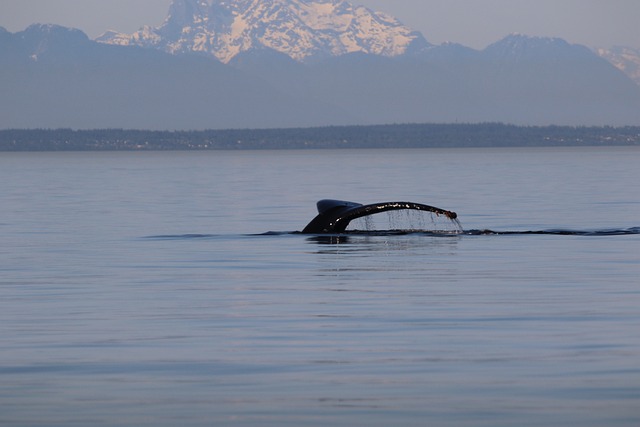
(87, 85)
(320, 28)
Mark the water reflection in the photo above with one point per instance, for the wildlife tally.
(376, 241)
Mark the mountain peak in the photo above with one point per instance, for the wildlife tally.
(47, 39)
(55, 31)
(302, 29)
(523, 41)
(517, 47)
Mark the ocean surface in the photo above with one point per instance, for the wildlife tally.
(165, 289)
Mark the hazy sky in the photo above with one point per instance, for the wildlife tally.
(474, 23)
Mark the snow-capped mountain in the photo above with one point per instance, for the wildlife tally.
(625, 59)
(302, 29)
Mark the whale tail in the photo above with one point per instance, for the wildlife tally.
(334, 216)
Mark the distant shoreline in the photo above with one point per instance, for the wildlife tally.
(329, 137)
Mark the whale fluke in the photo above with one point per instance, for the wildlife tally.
(334, 216)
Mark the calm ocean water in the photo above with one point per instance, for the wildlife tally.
(136, 289)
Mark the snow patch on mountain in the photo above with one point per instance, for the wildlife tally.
(626, 59)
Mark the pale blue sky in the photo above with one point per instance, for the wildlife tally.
(474, 23)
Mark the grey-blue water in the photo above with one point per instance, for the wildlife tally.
(136, 290)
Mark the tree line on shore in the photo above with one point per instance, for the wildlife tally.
(332, 137)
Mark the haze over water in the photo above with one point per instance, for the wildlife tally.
(138, 289)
